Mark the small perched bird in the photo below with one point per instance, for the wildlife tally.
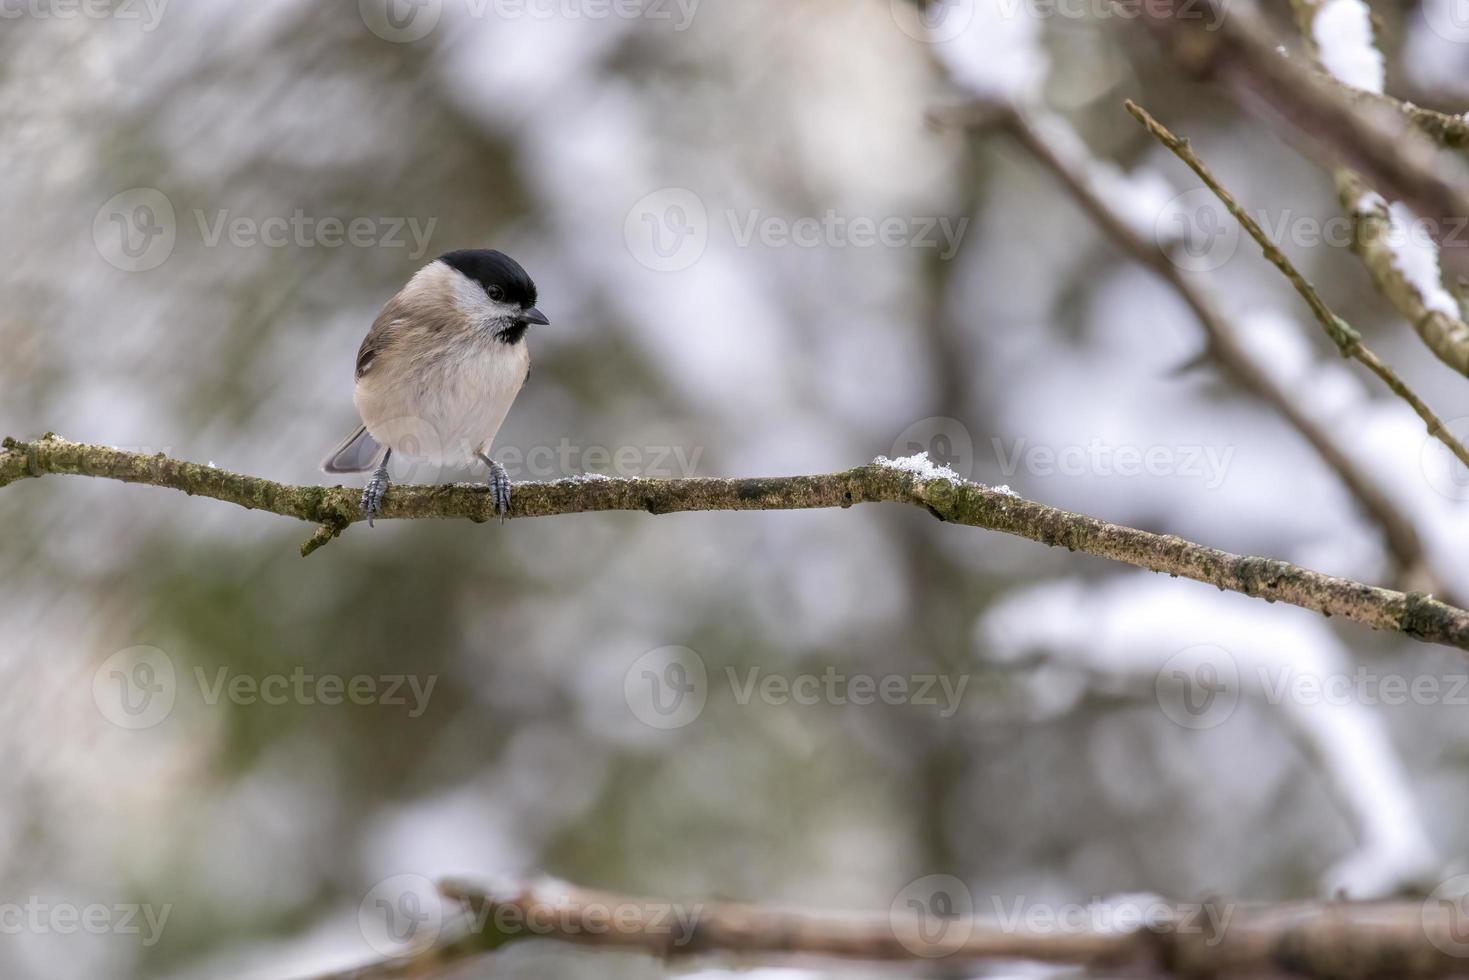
(438, 370)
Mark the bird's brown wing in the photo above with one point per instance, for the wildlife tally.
(379, 336)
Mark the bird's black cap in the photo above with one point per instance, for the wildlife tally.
(491, 268)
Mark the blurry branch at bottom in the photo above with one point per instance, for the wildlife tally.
(1212, 939)
(1076, 171)
(916, 482)
(1347, 339)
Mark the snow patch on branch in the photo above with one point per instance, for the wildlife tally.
(1416, 256)
(1414, 252)
(920, 466)
(1342, 30)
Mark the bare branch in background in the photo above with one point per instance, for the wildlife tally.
(1413, 284)
(949, 499)
(1391, 153)
(1224, 344)
(1340, 332)
(1212, 939)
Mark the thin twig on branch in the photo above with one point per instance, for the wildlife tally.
(1224, 343)
(1347, 339)
(957, 501)
(1402, 940)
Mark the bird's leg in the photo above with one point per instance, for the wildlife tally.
(376, 489)
(499, 486)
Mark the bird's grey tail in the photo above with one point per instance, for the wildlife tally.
(357, 454)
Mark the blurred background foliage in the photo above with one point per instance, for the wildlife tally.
(263, 826)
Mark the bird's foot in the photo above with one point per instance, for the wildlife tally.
(374, 492)
(499, 487)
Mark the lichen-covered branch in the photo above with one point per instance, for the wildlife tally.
(1224, 343)
(960, 502)
(1347, 339)
(1404, 940)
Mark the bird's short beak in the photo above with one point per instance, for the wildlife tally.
(533, 315)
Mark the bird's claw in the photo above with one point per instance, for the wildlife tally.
(500, 489)
(373, 494)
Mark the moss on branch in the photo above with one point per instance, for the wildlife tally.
(334, 509)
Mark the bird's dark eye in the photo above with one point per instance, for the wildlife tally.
(496, 293)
